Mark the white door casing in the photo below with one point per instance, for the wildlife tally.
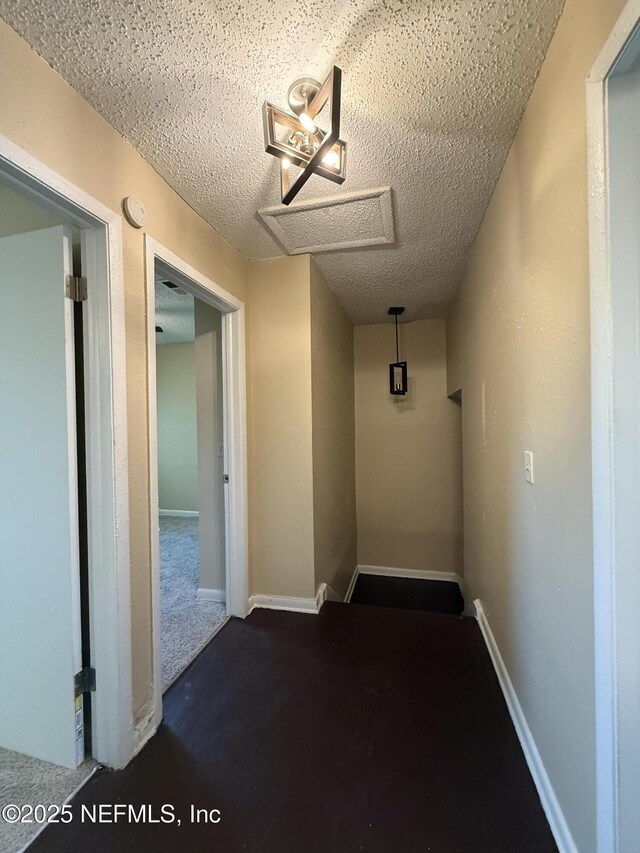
(235, 442)
(106, 434)
(613, 116)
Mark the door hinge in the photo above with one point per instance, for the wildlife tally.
(225, 478)
(85, 681)
(76, 288)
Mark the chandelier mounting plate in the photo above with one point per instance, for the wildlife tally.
(301, 92)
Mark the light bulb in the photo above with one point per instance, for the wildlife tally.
(307, 123)
(285, 162)
(332, 159)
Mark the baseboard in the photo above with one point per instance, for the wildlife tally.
(282, 602)
(188, 513)
(352, 584)
(325, 593)
(296, 605)
(205, 594)
(330, 594)
(550, 804)
(321, 596)
(470, 609)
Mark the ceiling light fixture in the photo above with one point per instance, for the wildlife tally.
(306, 122)
(298, 141)
(397, 370)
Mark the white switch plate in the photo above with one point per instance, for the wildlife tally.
(220, 451)
(528, 466)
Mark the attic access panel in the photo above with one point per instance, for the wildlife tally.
(349, 221)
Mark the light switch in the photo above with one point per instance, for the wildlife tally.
(220, 451)
(528, 466)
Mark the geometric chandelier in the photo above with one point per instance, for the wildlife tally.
(299, 142)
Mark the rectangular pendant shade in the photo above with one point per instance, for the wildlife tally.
(398, 378)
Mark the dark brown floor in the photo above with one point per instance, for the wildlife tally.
(408, 593)
(361, 729)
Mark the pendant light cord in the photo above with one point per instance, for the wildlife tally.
(397, 347)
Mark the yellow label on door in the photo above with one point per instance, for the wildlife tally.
(79, 730)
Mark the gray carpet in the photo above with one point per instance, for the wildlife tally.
(25, 780)
(187, 624)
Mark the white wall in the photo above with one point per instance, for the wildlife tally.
(177, 426)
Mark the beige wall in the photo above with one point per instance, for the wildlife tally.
(301, 431)
(281, 536)
(208, 355)
(177, 429)
(334, 486)
(43, 115)
(408, 452)
(518, 346)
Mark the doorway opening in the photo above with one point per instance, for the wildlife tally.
(190, 472)
(59, 541)
(197, 433)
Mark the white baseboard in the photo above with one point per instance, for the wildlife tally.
(330, 594)
(188, 513)
(550, 804)
(296, 605)
(282, 602)
(321, 596)
(205, 594)
(326, 593)
(352, 584)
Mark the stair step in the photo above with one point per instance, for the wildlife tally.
(432, 596)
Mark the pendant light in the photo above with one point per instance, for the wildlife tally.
(397, 370)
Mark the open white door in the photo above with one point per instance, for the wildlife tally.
(40, 635)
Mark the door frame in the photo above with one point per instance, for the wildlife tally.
(235, 439)
(106, 435)
(615, 695)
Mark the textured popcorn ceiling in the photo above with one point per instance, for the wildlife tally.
(432, 95)
(175, 314)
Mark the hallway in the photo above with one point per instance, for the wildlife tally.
(362, 728)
